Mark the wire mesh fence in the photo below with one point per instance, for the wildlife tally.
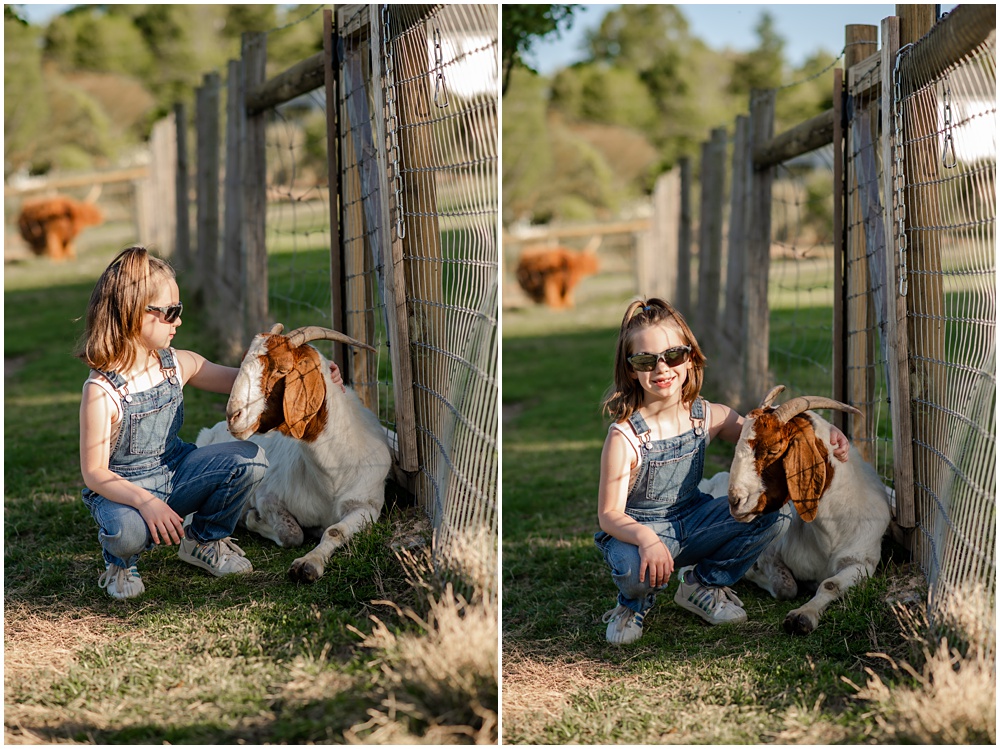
(949, 148)
(428, 148)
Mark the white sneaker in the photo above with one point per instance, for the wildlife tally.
(624, 625)
(121, 583)
(716, 605)
(222, 557)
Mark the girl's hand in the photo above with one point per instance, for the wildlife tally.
(336, 376)
(165, 525)
(655, 558)
(841, 446)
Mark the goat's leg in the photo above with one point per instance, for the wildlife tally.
(271, 520)
(773, 575)
(805, 619)
(310, 568)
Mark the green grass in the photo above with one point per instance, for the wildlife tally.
(683, 682)
(196, 659)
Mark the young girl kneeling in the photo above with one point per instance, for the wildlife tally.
(141, 478)
(652, 514)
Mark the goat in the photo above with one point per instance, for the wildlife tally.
(841, 509)
(49, 225)
(328, 456)
(549, 275)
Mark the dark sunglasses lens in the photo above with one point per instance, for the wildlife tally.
(173, 312)
(675, 356)
(643, 362)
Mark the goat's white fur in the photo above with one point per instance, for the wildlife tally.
(840, 546)
(336, 482)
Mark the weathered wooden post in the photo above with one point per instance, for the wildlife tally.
(331, 68)
(732, 324)
(207, 124)
(228, 320)
(683, 301)
(756, 332)
(182, 237)
(254, 59)
(710, 237)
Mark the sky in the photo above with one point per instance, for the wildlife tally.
(805, 28)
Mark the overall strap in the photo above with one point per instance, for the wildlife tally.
(119, 383)
(640, 428)
(698, 415)
(167, 364)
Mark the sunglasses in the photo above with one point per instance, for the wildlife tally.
(170, 313)
(672, 357)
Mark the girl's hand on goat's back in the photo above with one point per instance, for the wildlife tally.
(336, 376)
(841, 445)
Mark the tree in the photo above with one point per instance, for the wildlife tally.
(763, 67)
(523, 25)
(25, 109)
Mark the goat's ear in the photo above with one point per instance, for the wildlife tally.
(305, 391)
(806, 468)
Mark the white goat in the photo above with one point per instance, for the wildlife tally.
(328, 456)
(842, 511)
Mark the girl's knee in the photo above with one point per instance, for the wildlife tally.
(128, 538)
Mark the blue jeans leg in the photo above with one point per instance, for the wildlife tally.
(214, 482)
(722, 549)
(623, 558)
(121, 530)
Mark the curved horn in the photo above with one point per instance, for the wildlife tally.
(795, 406)
(276, 329)
(315, 333)
(771, 395)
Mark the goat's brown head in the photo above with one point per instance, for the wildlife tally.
(779, 457)
(281, 385)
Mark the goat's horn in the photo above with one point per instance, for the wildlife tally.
(315, 333)
(276, 329)
(771, 395)
(795, 406)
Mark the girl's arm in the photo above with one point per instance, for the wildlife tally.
(616, 465)
(96, 411)
(205, 375)
(728, 425)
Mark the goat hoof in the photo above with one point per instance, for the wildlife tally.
(798, 624)
(304, 571)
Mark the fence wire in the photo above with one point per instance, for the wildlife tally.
(949, 147)
(433, 131)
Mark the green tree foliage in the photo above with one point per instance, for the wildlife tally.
(763, 66)
(523, 25)
(25, 109)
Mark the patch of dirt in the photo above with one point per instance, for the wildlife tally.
(12, 365)
(511, 411)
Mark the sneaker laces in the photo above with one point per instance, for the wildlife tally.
(116, 574)
(619, 611)
(222, 549)
(723, 595)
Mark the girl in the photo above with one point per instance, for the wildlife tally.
(141, 479)
(652, 514)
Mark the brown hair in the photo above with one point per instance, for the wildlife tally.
(624, 397)
(117, 304)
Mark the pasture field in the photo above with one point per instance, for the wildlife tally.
(684, 682)
(198, 659)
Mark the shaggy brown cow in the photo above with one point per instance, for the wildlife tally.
(49, 225)
(549, 275)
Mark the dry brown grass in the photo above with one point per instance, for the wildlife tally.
(953, 697)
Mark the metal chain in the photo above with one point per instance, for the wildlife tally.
(392, 149)
(949, 143)
(440, 85)
(899, 174)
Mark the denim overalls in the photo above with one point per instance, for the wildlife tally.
(696, 527)
(213, 482)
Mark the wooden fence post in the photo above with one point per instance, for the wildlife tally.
(182, 248)
(925, 299)
(897, 350)
(710, 238)
(228, 320)
(254, 60)
(684, 301)
(839, 195)
(331, 68)
(732, 324)
(657, 268)
(860, 43)
(756, 325)
(207, 124)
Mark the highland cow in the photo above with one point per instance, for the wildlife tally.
(49, 225)
(549, 275)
